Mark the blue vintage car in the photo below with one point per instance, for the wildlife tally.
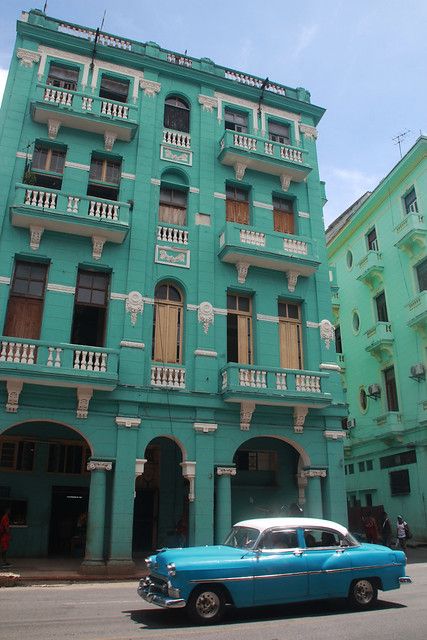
(272, 561)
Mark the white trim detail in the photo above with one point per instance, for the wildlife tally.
(263, 205)
(129, 423)
(118, 296)
(134, 305)
(220, 312)
(99, 465)
(335, 435)
(132, 345)
(226, 471)
(22, 154)
(330, 366)
(61, 288)
(150, 87)
(312, 325)
(205, 427)
(6, 280)
(155, 181)
(128, 176)
(77, 165)
(192, 307)
(309, 131)
(265, 318)
(313, 473)
(221, 196)
(27, 57)
(303, 214)
(189, 472)
(206, 353)
(194, 190)
(209, 103)
(64, 55)
(148, 300)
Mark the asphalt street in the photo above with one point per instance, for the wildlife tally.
(114, 611)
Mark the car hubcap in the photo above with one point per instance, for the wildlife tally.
(363, 592)
(207, 604)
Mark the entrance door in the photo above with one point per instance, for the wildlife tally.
(145, 520)
(66, 534)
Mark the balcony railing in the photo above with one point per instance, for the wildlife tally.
(167, 377)
(268, 385)
(412, 233)
(85, 103)
(379, 340)
(59, 360)
(370, 269)
(176, 235)
(177, 138)
(417, 313)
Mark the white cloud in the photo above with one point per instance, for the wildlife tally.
(3, 78)
(305, 37)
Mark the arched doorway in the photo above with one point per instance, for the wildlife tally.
(266, 481)
(44, 479)
(161, 499)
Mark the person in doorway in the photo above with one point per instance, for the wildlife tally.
(385, 529)
(402, 532)
(5, 537)
(371, 528)
(181, 532)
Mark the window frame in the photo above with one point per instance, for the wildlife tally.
(233, 205)
(63, 82)
(273, 136)
(381, 307)
(236, 113)
(67, 444)
(168, 304)
(421, 282)
(240, 313)
(115, 79)
(29, 280)
(390, 383)
(372, 239)
(176, 112)
(284, 216)
(395, 478)
(290, 320)
(17, 442)
(410, 200)
(165, 205)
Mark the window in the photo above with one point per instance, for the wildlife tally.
(167, 324)
(381, 306)
(361, 466)
(26, 300)
(351, 469)
(62, 77)
(356, 321)
(173, 206)
(349, 259)
(369, 465)
(363, 400)
(371, 240)
(338, 340)
(237, 205)
(283, 214)
(398, 459)
(368, 499)
(239, 329)
(48, 166)
(279, 132)
(18, 513)
(286, 539)
(114, 89)
(421, 270)
(104, 178)
(323, 538)
(16, 455)
(67, 458)
(177, 114)
(290, 335)
(399, 482)
(391, 390)
(256, 460)
(236, 121)
(90, 308)
(410, 201)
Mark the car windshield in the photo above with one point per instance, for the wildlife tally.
(242, 537)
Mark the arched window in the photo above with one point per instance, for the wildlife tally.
(177, 114)
(167, 324)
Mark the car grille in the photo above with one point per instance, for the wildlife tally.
(159, 584)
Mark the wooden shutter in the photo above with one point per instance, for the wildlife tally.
(290, 345)
(24, 318)
(284, 222)
(166, 345)
(244, 335)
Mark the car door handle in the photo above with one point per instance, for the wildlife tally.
(298, 552)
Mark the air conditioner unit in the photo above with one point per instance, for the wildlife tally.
(374, 391)
(418, 371)
(351, 423)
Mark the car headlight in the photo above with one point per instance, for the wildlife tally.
(171, 569)
(173, 592)
(148, 562)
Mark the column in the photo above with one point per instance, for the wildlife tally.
(335, 500)
(204, 503)
(94, 555)
(223, 502)
(314, 503)
(189, 473)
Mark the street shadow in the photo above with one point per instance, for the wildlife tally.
(175, 619)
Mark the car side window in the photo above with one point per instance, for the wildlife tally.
(321, 538)
(284, 539)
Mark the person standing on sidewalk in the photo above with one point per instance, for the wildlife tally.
(385, 529)
(5, 537)
(402, 532)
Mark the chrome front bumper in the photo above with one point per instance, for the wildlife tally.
(405, 580)
(148, 592)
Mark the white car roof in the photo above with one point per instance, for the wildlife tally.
(267, 523)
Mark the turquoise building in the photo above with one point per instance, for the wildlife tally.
(377, 251)
(167, 363)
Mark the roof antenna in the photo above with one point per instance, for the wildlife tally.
(95, 42)
(399, 138)
(45, 7)
(263, 88)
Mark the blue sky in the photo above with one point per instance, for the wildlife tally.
(364, 61)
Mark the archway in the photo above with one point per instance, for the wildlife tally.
(44, 479)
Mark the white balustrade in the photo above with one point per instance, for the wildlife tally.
(114, 110)
(90, 360)
(103, 210)
(167, 377)
(224, 380)
(281, 384)
(89, 34)
(58, 96)
(181, 60)
(42, 199)
(17, 352)
(172, 234)
(253, 378)
(293, 155)
(73, 204)
(254, 82)
(87, 103)
(307, 383)
(245, 142)
(413, 207)
(177, 138)
(252, 237)
(268, 148)
(54, 357)
(295, 246)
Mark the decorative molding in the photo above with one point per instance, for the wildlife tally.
(220, 312)
(285, 181)
(134, 305)
(118, 296)
(109, 140)
(77, 165)
(246, 412)
(263, 205)
(308, 131)
(312, 325)
(53, 127)
(327, 332)
(172, 256)
(155, 181)
(314, 473)
(335, 435)
(150, 87)
(128, 176)
(209, 103)
(27, 57)
(242, 271)
(239, 170)
(26, 156)
(139, 466)
(300, 413)
(226, 471)
(61, 288)
(192, 307)
(330, 366)
(206, 353)
(84, 394)
(36, 233)
(148, 300)
(205, 427)
(174, 154)
(99, 465)
(5, 280)
(14, 388)
(129, 423)
(194, 190)
(189, 472)
(132, 345)
(206, 315)
(292, 277)
(221, 196)
(64, 55)
(303, 214)
(97, 247)
(264, 318)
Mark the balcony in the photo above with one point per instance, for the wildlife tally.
(167, 377)
(379, 341)
(417, 313)
(411, 234)
(245, 247)
(341, 361)
(243, 151)
(274, 386)
(371, 269)
(391, 427)
(39, 209)
(75, 110)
